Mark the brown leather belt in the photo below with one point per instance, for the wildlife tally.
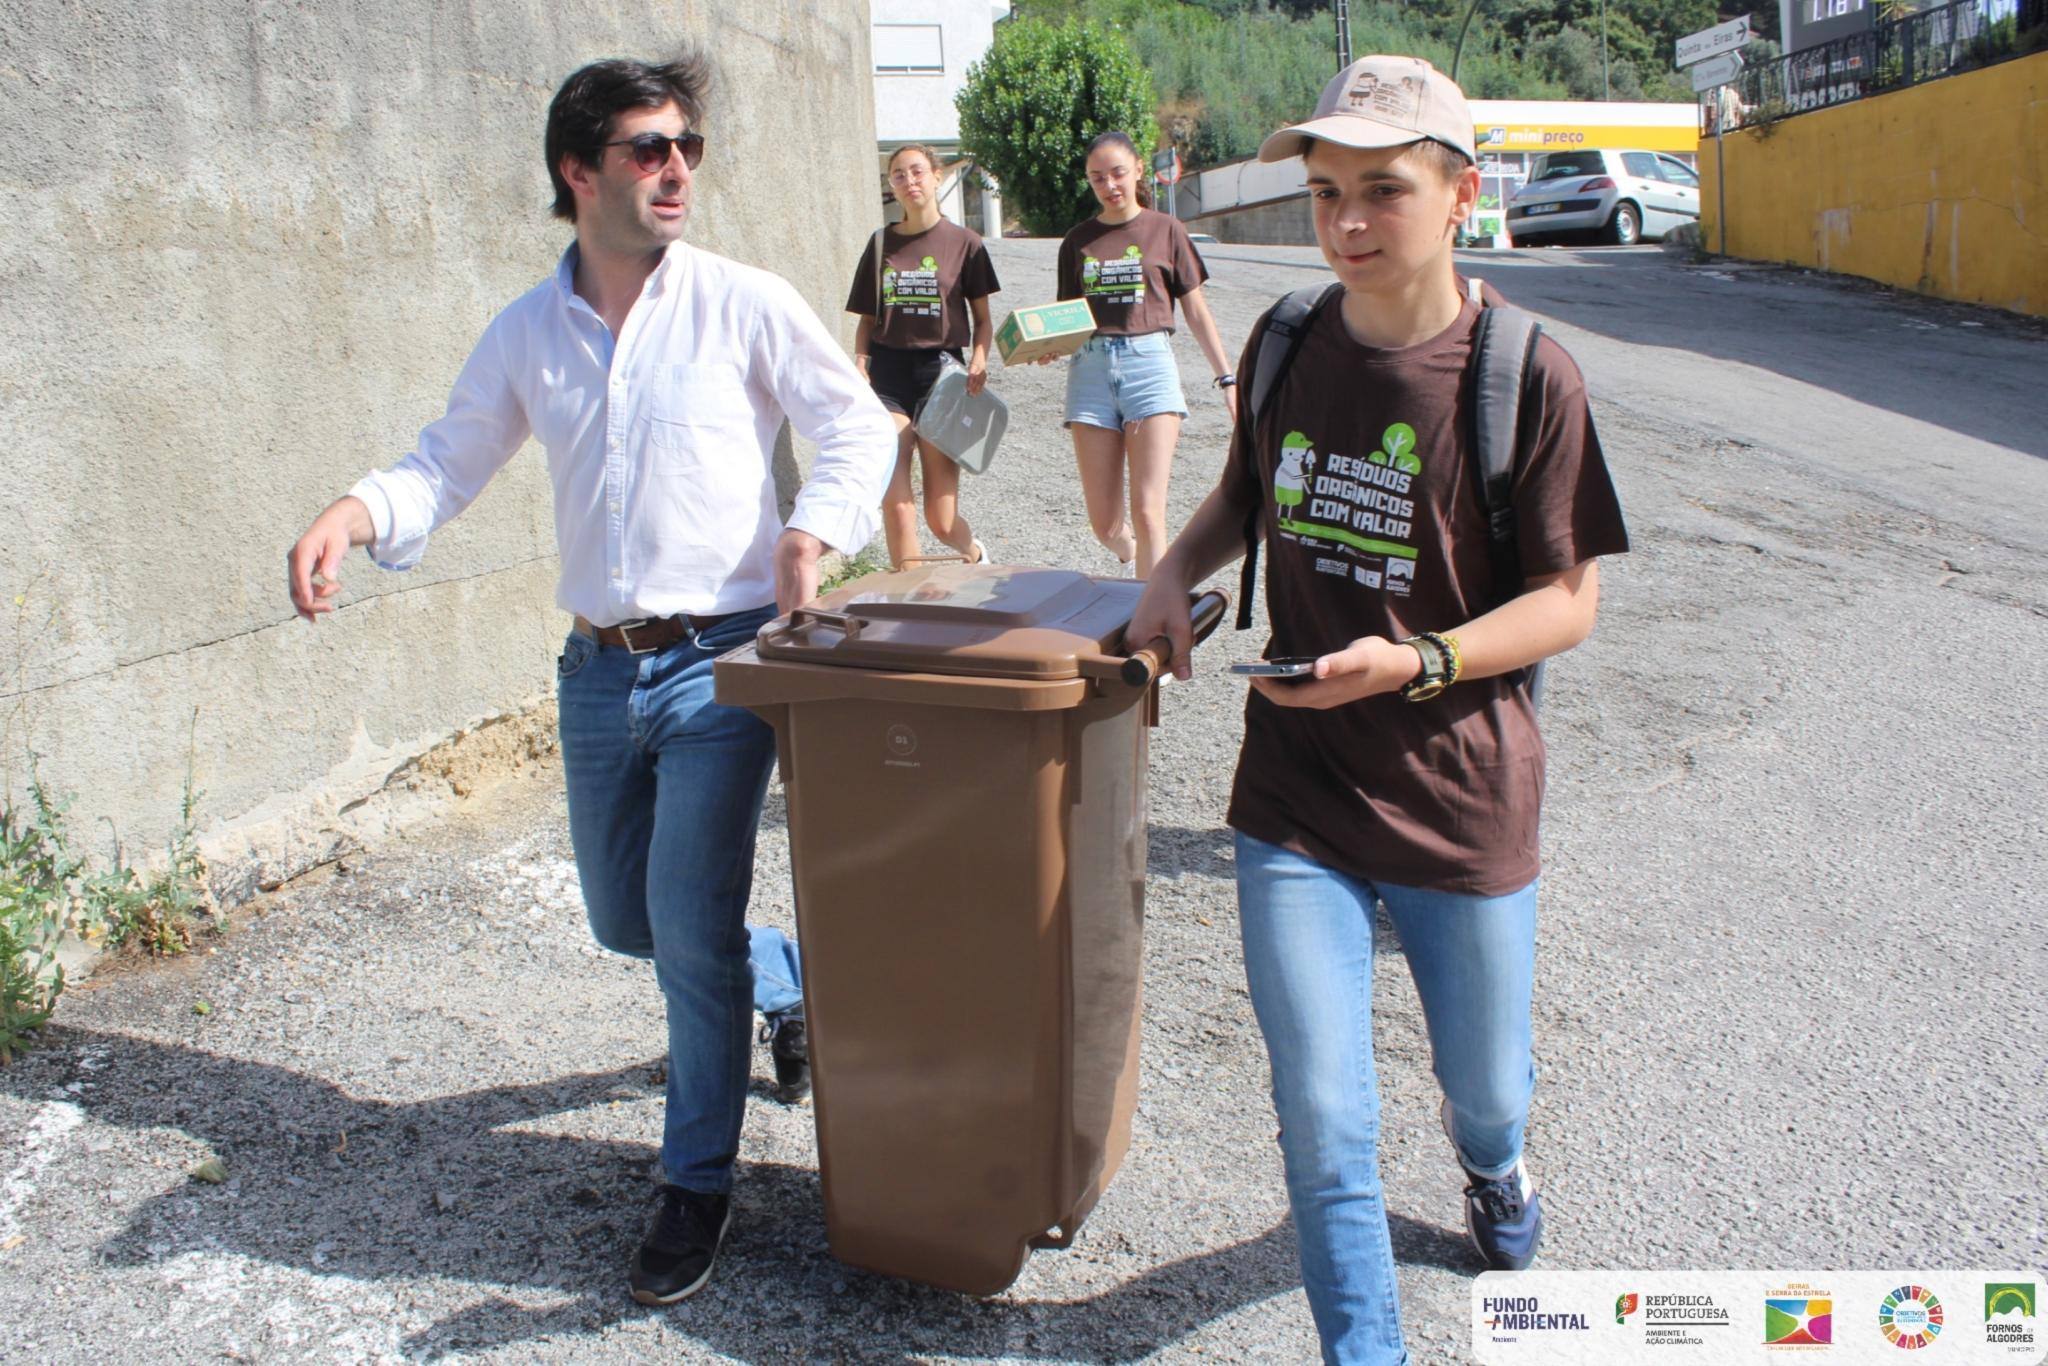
(652, 633)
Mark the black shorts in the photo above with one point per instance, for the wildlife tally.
(903, 376)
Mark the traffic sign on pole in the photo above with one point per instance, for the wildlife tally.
(1166, 166)
(1712, 42)
(1716, 71)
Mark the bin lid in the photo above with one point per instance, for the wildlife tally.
(978, 619)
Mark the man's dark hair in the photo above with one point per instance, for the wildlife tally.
(580, 116)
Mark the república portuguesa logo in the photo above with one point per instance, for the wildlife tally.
(2009, 1314)
(1799, 1316)
(1671, 1320)
(1910, 1317)
(1510, 1315)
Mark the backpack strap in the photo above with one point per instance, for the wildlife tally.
(875, 251)
(1505, 344)
(1286, 323)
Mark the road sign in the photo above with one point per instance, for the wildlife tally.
(1712, 42)
(1166, 166)
(1716, 71)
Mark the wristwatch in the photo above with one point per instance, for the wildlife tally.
(1436, 671)
(1224, 381)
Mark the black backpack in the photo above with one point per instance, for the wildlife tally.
(1507, 338)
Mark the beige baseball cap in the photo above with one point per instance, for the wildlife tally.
(1382, 102)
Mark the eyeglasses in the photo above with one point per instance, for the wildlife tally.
(904, 175)
(651, 150)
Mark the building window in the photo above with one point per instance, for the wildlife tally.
(909, 49)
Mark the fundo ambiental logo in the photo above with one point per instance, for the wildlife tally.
(1508, 1315)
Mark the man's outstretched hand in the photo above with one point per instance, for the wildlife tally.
(313, 565)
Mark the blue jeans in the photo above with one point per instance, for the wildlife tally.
(665, 791)
(1115, 381)
(1307, 932)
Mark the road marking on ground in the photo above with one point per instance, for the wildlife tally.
(39, 1146)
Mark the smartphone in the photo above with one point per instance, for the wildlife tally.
(1291, 666)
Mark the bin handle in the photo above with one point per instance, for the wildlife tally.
(1143, 665)
(848, 625)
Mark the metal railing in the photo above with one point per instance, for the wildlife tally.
(1894, 54)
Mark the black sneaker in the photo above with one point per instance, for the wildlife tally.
(790, 1047)
(675, 1258)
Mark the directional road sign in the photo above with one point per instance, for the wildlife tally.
(1712, 42)
(1716, 71)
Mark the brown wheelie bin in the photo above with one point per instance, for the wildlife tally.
(963, 752)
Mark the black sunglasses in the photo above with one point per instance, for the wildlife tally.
(651, 150)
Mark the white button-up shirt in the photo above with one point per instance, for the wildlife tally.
(660, 443)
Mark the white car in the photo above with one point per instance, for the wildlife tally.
(1624, 197)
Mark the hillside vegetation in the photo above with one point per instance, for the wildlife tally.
(1226, 72)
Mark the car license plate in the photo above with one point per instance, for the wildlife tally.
(1542, 208)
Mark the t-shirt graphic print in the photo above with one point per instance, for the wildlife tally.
(914, 293)
(1360, 506)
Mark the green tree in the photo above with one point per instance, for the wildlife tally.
(1035, 100)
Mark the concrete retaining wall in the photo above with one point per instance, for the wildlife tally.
(249, 245)
(1285, 223)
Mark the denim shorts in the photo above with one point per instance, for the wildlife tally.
(1115, 381)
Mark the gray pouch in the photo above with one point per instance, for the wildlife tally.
(965, 426)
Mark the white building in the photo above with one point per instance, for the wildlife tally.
(922, 49)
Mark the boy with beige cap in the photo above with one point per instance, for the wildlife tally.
(1406, 769)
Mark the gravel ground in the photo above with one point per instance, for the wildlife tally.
(1789, 1004)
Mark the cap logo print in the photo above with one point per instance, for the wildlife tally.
(1396, 102)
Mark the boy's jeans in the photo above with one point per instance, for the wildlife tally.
(1307, 932)
(665, 791)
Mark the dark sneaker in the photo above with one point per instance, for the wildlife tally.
(1503, 1215)
(790, 1048)
(675, 1258)
(1505, 1218)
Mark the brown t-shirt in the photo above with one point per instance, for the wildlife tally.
(1375, 526)
(1130, 273)
(925, 281)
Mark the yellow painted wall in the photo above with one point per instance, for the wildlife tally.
(1940, 188)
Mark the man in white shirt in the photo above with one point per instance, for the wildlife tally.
(656, 376)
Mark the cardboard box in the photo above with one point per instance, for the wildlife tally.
(1045, 330)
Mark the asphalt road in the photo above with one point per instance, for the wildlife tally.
(1789, 1003)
